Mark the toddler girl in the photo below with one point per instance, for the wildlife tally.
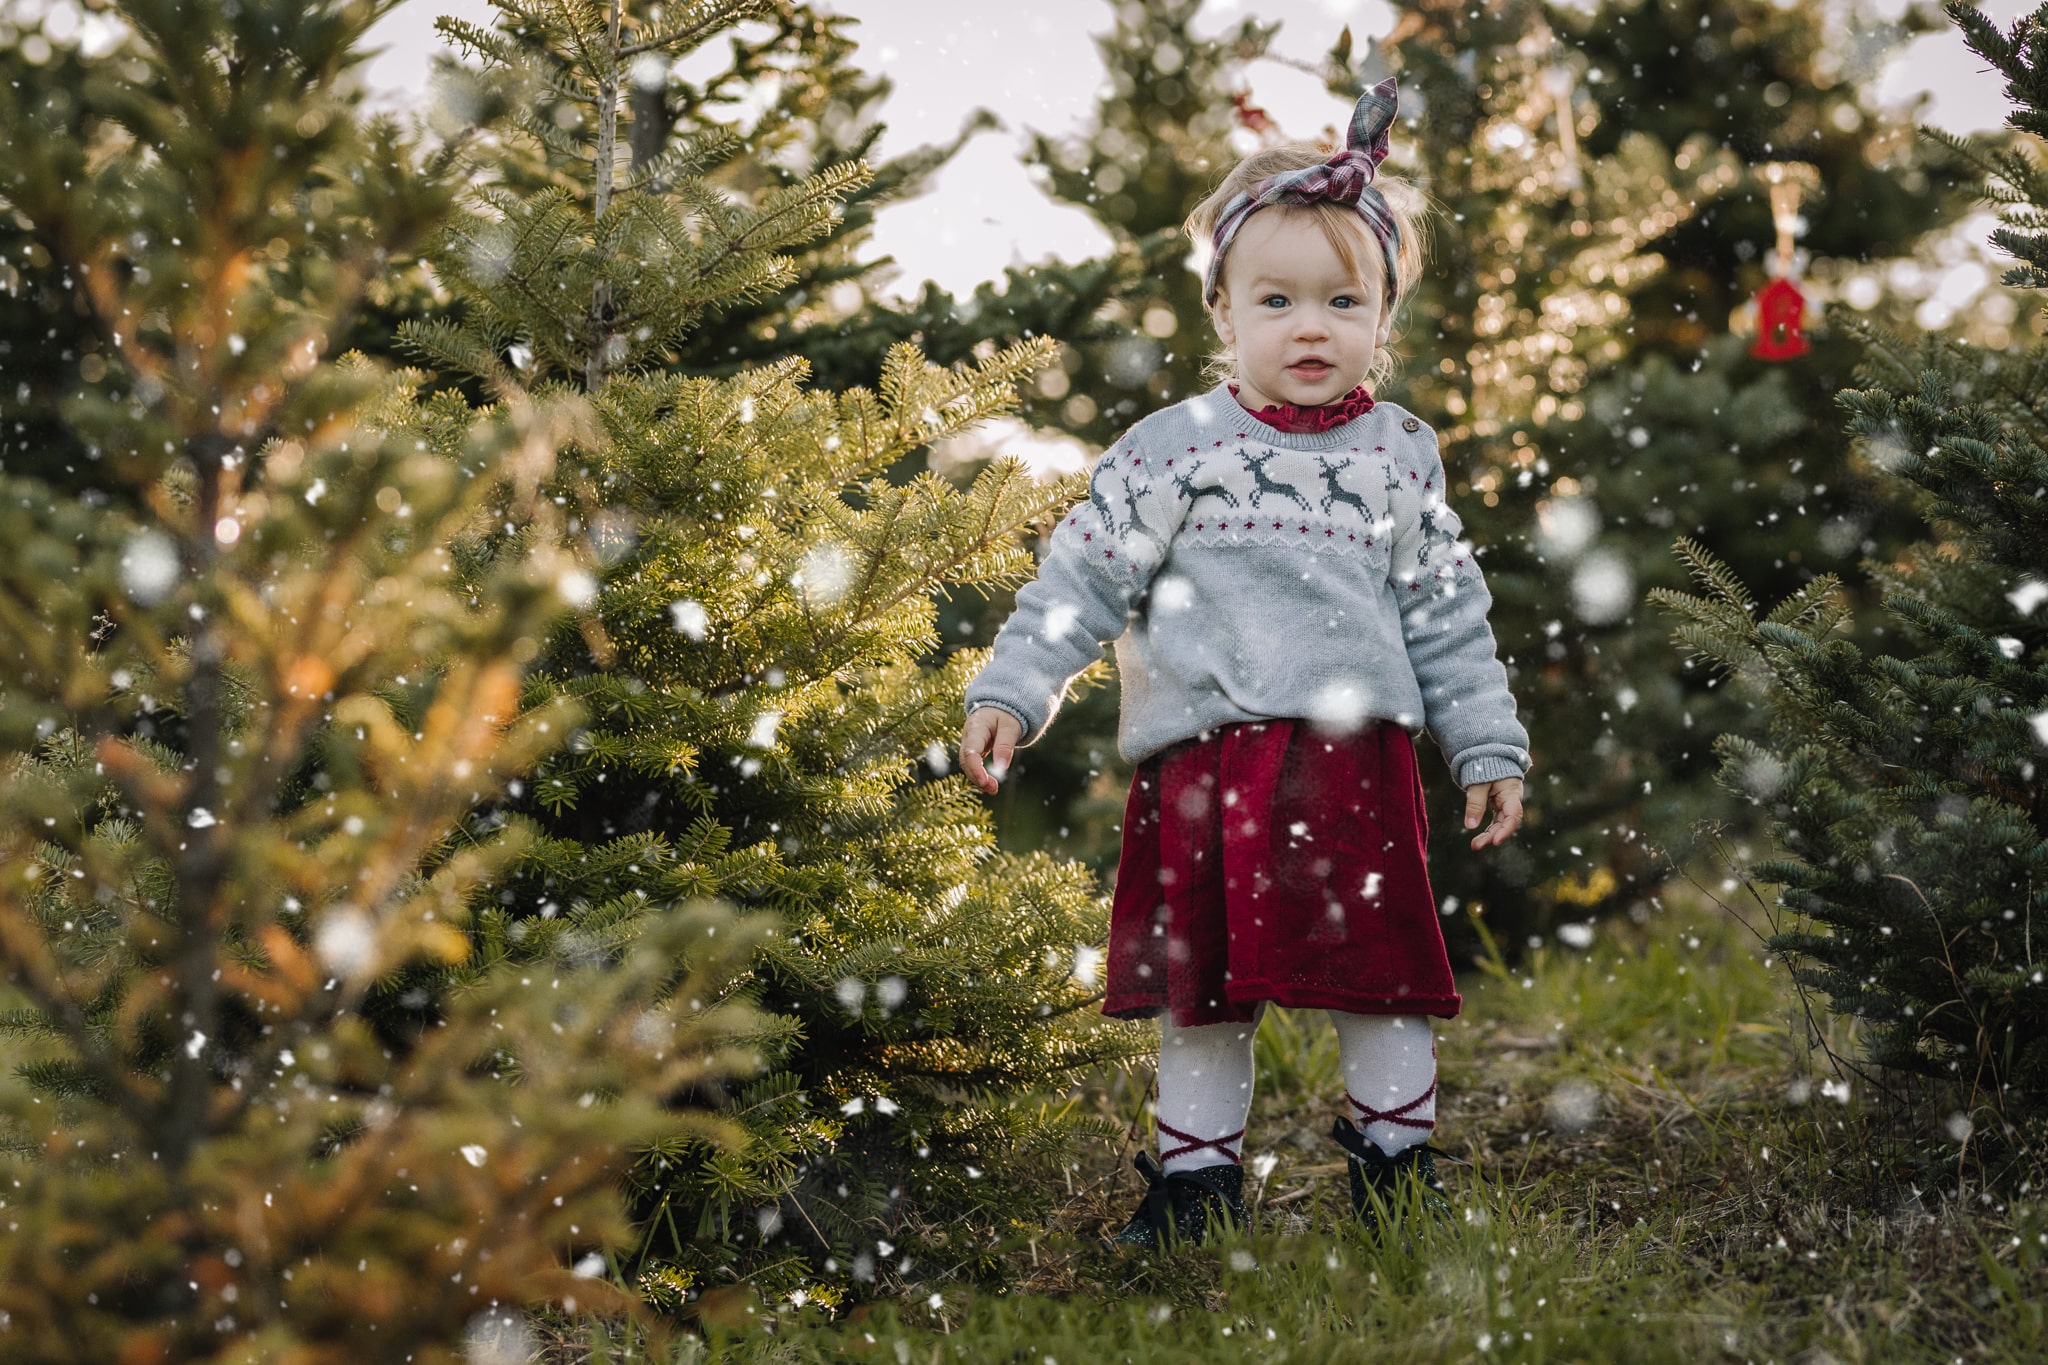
(1290, 601)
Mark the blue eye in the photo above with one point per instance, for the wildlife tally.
(1344, 301)
(1280, 299)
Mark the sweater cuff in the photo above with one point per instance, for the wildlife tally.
(1479, 770)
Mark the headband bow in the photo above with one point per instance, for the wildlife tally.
(1346, 178)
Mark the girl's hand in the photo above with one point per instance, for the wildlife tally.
(988, 725)
(1505, 796)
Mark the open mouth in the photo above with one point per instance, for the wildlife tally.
(1309, 369)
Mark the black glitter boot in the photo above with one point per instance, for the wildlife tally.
(1373, 1172)
(1178, 1207)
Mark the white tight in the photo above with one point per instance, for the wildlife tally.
(1205, 1085)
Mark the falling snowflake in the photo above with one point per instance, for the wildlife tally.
(497, 1337)
(650, 71)
(1565, 526)
(1340, 706)
(149, 566)
(1573, 1106)
(346, 942)
(690, 618)
(577, 588)
(1060, 618)
(2030, 593)
(1172, 592)
(826, 573)
(1603, 588)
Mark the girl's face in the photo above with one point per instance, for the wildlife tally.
(1304, 327)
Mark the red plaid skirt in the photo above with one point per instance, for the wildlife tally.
(1272, 860)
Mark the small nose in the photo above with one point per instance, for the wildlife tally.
(1311, 325)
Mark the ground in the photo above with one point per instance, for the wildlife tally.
(1654, 1164)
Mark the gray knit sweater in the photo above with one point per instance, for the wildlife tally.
(1248, 573)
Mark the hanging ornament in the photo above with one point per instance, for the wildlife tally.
(1780, 306)
(1249, 115)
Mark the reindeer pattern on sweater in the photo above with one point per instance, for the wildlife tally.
(1244, 492)
(1246, 572)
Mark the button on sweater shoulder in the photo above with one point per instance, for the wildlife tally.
(1246, 572)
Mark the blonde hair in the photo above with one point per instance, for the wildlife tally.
(1343, 228)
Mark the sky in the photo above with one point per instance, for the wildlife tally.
(1035, 65)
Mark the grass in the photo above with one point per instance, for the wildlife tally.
(1655, 1165)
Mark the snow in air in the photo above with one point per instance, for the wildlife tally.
(1339, 706)
(149, 566)
(2028, 594)
(690, 618)
(498, 1337)
(826, 573)
(577, 588)
(1603, 588)
(346, 942)
(1573, 1106)
(1566, 526)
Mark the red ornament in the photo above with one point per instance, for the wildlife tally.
(1780, 308)
(1249, 114)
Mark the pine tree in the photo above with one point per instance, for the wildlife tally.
(1572, 349)
(1132, 339)
(758, 718)
(255, 717)
(1160, 141)
(820, 110)
(1903, 789)
(1538, 348)
(48, 349)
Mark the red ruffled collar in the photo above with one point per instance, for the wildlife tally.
(1322, 417)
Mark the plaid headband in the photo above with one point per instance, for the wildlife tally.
(1345, 178)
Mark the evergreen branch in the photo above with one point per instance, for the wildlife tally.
(695, 24)
(2019, 58)
(481, 42)
(797, 214)
(1714, 575)
(443, 343)
(686, 157)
